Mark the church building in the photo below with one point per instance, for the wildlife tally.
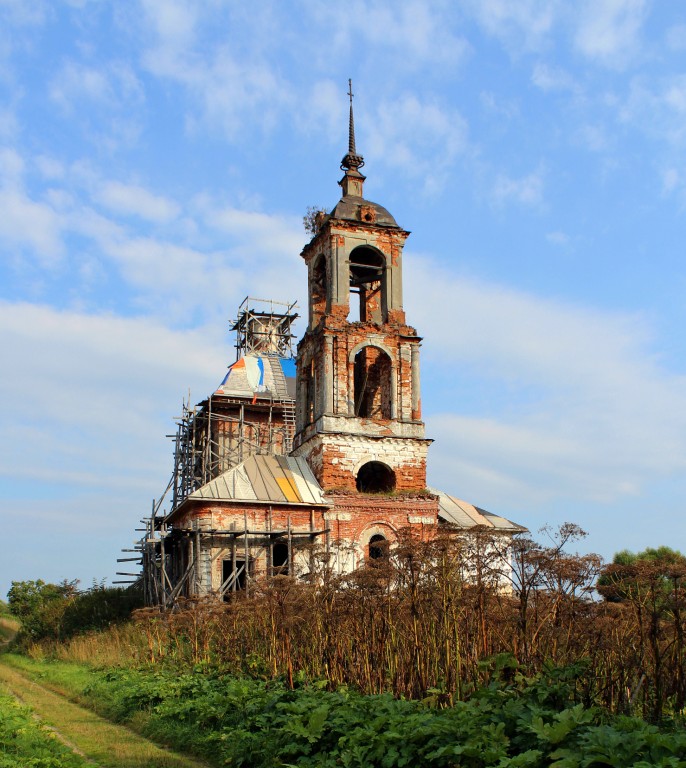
(322, 456)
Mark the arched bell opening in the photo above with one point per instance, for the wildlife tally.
(375, 477)
(372, 379)
(367, 285)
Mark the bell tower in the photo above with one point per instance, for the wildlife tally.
(358, 409)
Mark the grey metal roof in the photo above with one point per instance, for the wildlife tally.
(275, 479)
(465, 515)
(349, 209)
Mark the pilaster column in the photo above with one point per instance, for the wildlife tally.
(416, 399)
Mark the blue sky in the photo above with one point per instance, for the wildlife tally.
(157, 157)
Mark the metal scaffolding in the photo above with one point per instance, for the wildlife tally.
(212, 437)
(217, 435)
(264, 326)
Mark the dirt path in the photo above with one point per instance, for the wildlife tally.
(105, 744)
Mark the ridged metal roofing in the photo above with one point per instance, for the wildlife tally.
(276, 479)
(465, 515)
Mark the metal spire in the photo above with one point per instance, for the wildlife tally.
(352, 161)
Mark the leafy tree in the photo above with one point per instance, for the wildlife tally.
(652, 584)
(626, 575)
(40, 605)
(99, 607)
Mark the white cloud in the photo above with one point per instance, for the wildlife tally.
(132, 199)
(28, 224)
(557, 238)
(657, 108)
(594, 137)
(549, 78)
(174, 22)
(236, 94)
(20, 13)
(408, 134)
(323, 111)
(584, 410)
(9, 125)
(608, 31)
(106, 387)
(114, 86)
(671, 179)
(527, 190)
(198, 266)
(525, 24)
(415, 33)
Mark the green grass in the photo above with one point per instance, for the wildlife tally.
(25, 743)
(109, 745)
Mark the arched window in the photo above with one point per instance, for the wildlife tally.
(367, 285)
(375, 477)
(378, 547)
(372, 382)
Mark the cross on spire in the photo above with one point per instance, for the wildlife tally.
(352, 161)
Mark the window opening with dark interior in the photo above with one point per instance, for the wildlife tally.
(375, 477)
(233, 580)
(367, 286)
(280, 558)
(378, 547)
(372, 380)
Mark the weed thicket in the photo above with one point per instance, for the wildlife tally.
(427, 618)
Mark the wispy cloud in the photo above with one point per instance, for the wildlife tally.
(187, 268)
(549, 78)
(585, 410)
(525, 190)
(609, 31)
(523, 25)
(133, 199)
(415, 33)
(408, 133)
(107, 385)
(658, 108)
(114, 86)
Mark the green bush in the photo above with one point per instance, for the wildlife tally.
(59, 611)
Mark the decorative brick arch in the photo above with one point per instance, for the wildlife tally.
(370, 343)
(377, 528)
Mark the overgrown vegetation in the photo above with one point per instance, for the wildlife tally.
(427, 617)
(393, 664)
(60, 611)
(510, 721)
(24, 743)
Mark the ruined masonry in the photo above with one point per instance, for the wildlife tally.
(320, 457)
